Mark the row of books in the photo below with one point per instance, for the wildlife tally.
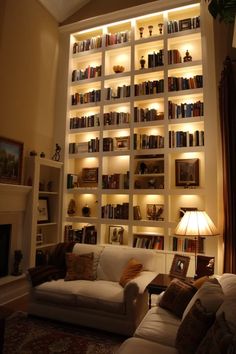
(87, 234)
(181, 83)
(115, 38)
(115, 211)
(72, 180)
(87, 97)
(148, 241)
(185, 24)
(89, 73)
(85, 121)
(88, 146)
(185, 110)
(147, 115)
(174, 56)
(116, 118)
(119, 92)
(145, 141)
(116, 181)
(188, 244)
(87, 44)
(185, 138)
(149, 87)
(155, 59)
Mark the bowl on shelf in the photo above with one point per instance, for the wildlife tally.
(118, 69)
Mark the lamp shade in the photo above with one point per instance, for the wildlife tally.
(196, 223)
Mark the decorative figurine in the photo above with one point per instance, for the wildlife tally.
(160, 26)
(33, 153)
(86, 211)
(71, 210)
(141, 29)
(17, 260)
(42, 154)
(57, 156)
(142, 62)
(150, 28)
(187, 56)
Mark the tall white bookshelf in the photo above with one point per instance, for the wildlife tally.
(125, 131)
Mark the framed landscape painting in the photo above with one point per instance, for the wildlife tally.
(11, 155)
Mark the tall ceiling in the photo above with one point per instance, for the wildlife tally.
(62, 9)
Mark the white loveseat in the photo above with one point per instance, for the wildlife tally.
(102, 303)
(158, 330)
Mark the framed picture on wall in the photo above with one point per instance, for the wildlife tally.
(187, 172)
(11, 155)
(43, 211)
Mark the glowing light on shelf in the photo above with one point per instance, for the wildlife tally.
(153, 106)
(184, 8)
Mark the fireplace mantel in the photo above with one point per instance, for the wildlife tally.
(13, 197)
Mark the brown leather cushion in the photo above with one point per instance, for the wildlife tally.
(177, 296)
(193, 328)
(131, 270)
(219, 339)
(79, 266)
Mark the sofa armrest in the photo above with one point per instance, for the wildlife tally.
(141, 281)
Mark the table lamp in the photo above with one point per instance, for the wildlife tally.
(196, 224)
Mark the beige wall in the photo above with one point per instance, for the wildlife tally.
(28, 63)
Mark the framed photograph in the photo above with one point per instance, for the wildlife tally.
(43, 212)
(187, 172)
(205, 266)
(185, 24)
(179, 266)
(122, 143)
(155, 212)
(116, 233)
(11, 155)
(90, 175)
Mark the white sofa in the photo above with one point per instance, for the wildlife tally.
(102, 303)
(158, 330)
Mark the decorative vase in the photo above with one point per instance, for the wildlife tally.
(150, 28)
(141, 29)
(71, 208)
(86, 211)
(142, 62)
(160, 26)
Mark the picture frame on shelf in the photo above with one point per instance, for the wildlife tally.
(43, 210)
(11, 156)
(185, 24)
(179, 266)
(90, 175)
(122, 143)
(187, 172)
(155, 212)
(116, 234)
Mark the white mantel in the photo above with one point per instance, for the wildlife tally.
(13, 197)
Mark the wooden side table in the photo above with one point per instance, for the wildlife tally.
(159, 284)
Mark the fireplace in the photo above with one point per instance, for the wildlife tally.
(5, 237)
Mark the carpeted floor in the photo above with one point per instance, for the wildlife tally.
(32, 335)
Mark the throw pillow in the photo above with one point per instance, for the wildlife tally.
(219, 339)
(131, 270)
(210, 294)
(177, 296)
(79, 266)
(193, 328)
(200, 281)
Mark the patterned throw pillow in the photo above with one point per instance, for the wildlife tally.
(219, 339)
(177, 296)
(79, 266)
(193, 328)
(132, 270)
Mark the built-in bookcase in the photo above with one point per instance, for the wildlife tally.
(132, 134)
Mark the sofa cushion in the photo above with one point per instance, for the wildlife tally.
(79, 266)
(114, 259)
(211, 296)
(193, 328)
(219, 339)
(81, 248)
(177, 296)
(143, 346)
(228, 284)
(200, 281)
(160, 326)
(131, 270)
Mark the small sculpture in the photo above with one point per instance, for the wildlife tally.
(71, 207)
(86, 211)
(56, 156)
(42, 154)
(141, 29)
(187, 56)
(160, 26)
(150, 28)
